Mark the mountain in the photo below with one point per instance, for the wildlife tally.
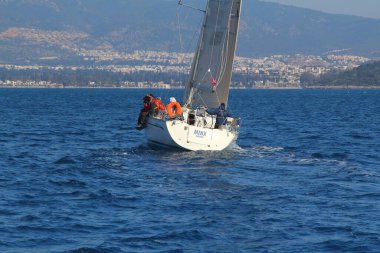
(74, 30)
(367, 75)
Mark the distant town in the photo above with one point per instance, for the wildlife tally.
(151, 69)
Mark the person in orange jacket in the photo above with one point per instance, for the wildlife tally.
(156, 106)
(159, 104)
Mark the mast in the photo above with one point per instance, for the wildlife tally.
(211, 70)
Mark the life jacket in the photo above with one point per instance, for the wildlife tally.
(146, 107)
(159, 105)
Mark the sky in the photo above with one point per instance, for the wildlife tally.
(365, 8)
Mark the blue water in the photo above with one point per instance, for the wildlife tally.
(75, 176)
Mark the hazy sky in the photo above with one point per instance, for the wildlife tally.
(365, 8)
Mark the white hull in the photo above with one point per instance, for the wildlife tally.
(179, 134)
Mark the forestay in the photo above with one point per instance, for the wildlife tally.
(211, 71)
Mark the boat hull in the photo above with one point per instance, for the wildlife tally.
(180, 135)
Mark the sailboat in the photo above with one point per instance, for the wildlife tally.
(208, 87)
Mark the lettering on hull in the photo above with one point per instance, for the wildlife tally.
(200, 134)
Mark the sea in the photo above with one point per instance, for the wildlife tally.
(76, 177)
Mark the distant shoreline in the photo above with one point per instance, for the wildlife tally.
(346, 87)
(328, 87)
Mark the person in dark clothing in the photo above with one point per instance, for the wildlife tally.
(221, 115)
(144, 111)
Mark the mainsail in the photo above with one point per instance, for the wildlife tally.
(211, 71)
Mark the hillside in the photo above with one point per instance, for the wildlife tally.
(68, 31)
(367, 75)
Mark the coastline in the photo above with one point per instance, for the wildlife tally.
(315, 87)
(342, 87)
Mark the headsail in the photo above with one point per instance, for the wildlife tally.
(211, 71)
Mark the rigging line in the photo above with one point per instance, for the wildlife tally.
(182, 45)
(222, 65)
(182, 53)
(217, 96)
(223, 60)
(186, 48)
(220, 80)
(179, 30)
(163, 93)
(180, 41)
(204, 76)
(201, 97)
(191, 7)
(180, 27)
(199, 94)
(194, 35)
(180, 59)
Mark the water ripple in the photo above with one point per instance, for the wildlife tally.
(77, 177)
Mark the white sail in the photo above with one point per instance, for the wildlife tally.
(211, 72)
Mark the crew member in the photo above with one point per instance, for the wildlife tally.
(221, 115)
(157, 106)
(144, 112)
